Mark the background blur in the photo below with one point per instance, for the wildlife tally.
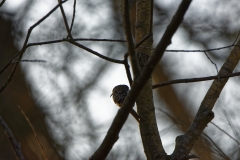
(67, 98)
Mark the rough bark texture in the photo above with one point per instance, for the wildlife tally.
(148, 127)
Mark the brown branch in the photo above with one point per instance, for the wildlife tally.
(120, 118)
(34, 131)
(130, 42)
(189, 80)
(150, 136)
(15, 145)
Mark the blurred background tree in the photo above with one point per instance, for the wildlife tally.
(67, 99)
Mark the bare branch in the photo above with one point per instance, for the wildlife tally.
(34, 131)
(8, 64)
(219, 150)
(130, 42)
(198, 50)
(231, 124)
(212, 62)
(102, 40)
(65, 19)
(27, 60)
(20, 53)
(189, 80)
(120, 118)
(15, 145)
(76, 39)
(225, 133)
(94, 52)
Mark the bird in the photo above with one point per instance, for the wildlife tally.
(119, 93)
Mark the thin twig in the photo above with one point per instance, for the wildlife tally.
(94, 52)
(230, 124)
(217, 147)
(189, 80)
(10, 62)
(27, 60)
(76, 39)
(20, 54)
(65, 20)
(15, 145)
(212, 62)
(225, 133)
(74, 11)
(34, 131)
(206, 50)
(102, 40)
(130, 42)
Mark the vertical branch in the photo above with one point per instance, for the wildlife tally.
(129, 37)
(149, 131)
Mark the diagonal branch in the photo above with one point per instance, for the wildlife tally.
(2, 3)
(184, 143)
(138, 84)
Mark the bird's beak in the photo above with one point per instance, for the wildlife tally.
(111, 95)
